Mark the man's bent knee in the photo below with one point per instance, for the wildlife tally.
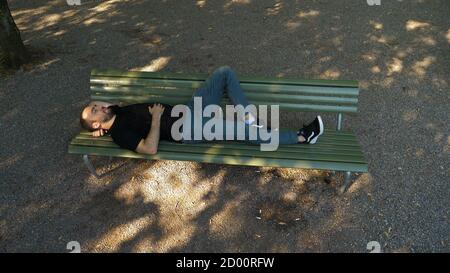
(224, 68)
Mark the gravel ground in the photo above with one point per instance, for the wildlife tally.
(399, 52)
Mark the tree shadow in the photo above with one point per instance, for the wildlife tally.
(92, 209)
(264, 210)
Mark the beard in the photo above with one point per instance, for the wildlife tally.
(108, 115)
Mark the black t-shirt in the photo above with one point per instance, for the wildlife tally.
(133, 123)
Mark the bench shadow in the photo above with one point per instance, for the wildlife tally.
(102, 217)
(252, 204)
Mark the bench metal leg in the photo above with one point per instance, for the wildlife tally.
(90, 166)
(339, 122)
(347, 182)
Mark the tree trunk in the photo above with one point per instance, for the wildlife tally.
(12, 51)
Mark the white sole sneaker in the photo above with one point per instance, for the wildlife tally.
(312, 141)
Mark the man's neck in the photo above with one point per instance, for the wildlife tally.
(107, 125)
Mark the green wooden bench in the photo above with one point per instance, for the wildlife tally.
(336, 150)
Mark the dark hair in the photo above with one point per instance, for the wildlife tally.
(85, 123)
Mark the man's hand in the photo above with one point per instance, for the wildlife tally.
(149, 145)
(157, 110)
(98, 133)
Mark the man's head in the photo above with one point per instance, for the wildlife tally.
(95, 114)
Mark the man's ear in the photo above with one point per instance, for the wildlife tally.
(96, 125)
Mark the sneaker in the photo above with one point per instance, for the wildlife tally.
(259, 124)
(256, 123)
(312, 131)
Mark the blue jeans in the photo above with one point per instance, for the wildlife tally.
(224, 79)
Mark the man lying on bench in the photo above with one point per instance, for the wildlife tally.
(139, 127)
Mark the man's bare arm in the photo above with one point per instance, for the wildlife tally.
(149, 145)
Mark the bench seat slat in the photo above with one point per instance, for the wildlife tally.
(254, 153)
(324, 138)
(331, 145)
(322, 148)
(231, 160)
(328, 139)
(327, 136)
(301, 149)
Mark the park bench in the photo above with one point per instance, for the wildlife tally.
(336, 150)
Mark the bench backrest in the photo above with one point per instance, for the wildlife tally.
(337, 96)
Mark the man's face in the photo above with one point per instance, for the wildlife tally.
(97, 112)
